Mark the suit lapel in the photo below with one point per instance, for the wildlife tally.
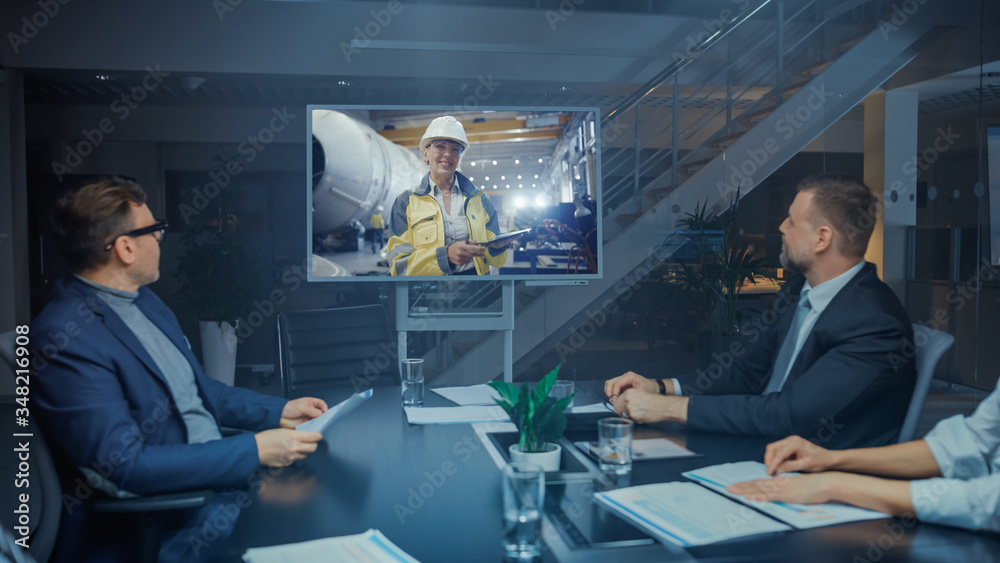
(828, 316)
(117, 327)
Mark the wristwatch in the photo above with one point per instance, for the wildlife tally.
(663, 386)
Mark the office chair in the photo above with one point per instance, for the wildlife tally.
(340, 347)
(46, 493)
(931, 345)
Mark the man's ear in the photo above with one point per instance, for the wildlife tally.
(124, 249)
(824, 238)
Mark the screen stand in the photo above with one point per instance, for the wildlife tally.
(410, 320)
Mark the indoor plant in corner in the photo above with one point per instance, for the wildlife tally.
(540, 420)
(221, 277)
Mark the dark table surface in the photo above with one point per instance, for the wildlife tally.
(435, 492)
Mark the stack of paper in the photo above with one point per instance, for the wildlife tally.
(454, 415)
(686, 514)
(649, 448)
(469, 395)
(718, 477)
(594, 408)
(368, 547)
(484, 395)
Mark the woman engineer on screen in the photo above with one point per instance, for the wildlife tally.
(436, 226)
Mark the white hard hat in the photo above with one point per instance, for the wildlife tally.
(446, 127)
(378, 208)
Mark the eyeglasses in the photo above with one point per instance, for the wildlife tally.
(446, 146)
(157, 227)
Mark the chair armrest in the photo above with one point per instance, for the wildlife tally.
(156, 503)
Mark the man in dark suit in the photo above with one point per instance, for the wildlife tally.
(835, 362)
(119, 389)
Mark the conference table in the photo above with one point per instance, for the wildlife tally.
(435, 491)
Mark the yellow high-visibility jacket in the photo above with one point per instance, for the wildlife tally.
(417, 245)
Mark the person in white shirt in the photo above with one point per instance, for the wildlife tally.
(951, 476)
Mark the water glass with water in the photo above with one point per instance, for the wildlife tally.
(563, 388)
(523, 499)
(614, 445)
(413, 382)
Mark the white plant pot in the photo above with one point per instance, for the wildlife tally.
(218, 350)
(548, 460)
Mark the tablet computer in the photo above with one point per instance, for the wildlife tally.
(506, 236)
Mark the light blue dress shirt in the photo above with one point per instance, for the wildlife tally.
(819, 297)
(968, 452)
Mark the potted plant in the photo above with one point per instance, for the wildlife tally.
(724, 265)
(540, 420)
(221, 277)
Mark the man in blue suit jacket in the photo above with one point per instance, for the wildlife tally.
(120, 391)
(835, 366)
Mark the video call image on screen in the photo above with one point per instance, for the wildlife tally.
(538, 168)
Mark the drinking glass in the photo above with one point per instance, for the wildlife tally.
(615, 445)
(413, 382)
(523, 499)
(563, 388)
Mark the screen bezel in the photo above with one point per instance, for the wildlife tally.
(445, 110)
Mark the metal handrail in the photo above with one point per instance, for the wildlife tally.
(657, 125)
(679, 65)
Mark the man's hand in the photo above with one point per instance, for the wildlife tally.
(629, 380)
(795, 453)
(462, 252)
(796, 489)
(643, 407)
(281, 447)
(300, 410)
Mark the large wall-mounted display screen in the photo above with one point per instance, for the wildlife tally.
(376, 211)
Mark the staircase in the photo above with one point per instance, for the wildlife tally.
(737, 112)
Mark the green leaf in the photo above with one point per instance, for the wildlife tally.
(507, 391)
(538, 417)
(545, 385)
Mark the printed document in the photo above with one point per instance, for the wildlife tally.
(648, 448)
(368, 547)
(455, 415)
(469, 395)
(717, 477)
(323, 421)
